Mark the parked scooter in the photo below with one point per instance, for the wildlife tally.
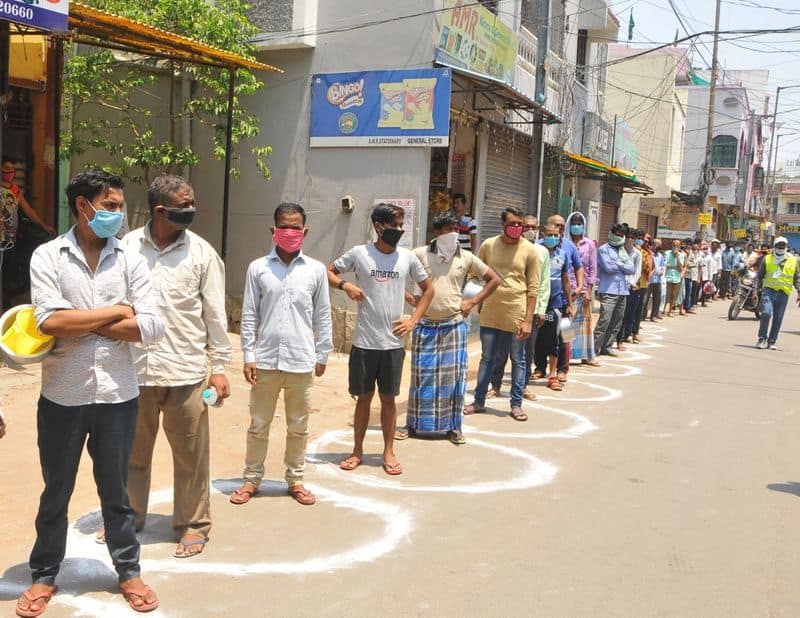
(748, 296)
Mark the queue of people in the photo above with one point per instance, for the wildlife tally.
(146, 317)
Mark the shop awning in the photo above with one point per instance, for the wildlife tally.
(104, 29)
(602, 171)
(501, 95)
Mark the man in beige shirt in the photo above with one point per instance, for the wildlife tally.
(189, 288)
(507, 315)
(439, 343)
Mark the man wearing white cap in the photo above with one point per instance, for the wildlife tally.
(777, 274)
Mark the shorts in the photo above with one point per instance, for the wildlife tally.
(370, 366)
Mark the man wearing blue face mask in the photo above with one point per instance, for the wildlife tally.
(614, 264)
(95, 299)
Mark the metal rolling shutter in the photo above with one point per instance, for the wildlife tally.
(608, 217)
(507, 175)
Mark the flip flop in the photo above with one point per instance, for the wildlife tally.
(302, 495)
(186, 545)
(243, 494)
(554, 384)
(473, 409)
(139, 593)
(31, 613)
(518, 414)
(354, 462)
(392, 470)
(456, 437)
(403, 433)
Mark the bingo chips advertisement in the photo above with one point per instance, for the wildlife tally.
(48, 15)
(381, 108)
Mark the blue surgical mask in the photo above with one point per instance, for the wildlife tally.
(577, 230)
(105, 223)
(638, 242)
(551, 241)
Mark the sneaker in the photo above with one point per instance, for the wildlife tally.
(762, 344)
(772, 346)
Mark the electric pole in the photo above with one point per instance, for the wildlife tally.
(712, 101)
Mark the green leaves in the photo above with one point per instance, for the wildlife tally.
(117, 113)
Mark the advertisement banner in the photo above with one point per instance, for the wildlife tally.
(408, 107)
(597, 138)
(471, 37)
(626, 156)
(678, 222)
(48, 15)
(705, 218)
(741, 233)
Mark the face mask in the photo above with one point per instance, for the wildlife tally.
(551, 241)
(391, 236)
(9, 176)
(183, 217)
(446, 245)
(531, 235)
(288, 239)
(638, 242)
(513, 231)
(779, 251)
(105, 223)
(614, 240)
(577, 230)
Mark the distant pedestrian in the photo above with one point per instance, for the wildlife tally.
(728, 260)
(382, 270)
(582, 347)
(633, 247)
(467, 228)
(614, 264)
(439, 343)
(777, 274)
(675, 266)
(653, 295)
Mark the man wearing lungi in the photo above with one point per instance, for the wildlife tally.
(439, 342)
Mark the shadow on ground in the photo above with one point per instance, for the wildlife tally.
(791, 487)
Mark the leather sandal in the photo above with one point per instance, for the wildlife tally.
(244, 493)
(302, 495)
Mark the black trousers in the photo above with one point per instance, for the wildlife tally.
(62, 433)
(653, 293)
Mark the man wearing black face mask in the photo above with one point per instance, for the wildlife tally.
(189, 289)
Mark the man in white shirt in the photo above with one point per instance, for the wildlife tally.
(716, 265)
(189, 285)
(377, 353)
(95, 299)
(286, 338)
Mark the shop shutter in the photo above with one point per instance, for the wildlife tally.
(608, 217)
(507, 177)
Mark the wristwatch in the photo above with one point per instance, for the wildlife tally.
(341, 283)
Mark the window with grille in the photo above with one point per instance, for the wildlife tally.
(580, 60)
(793, 208)
(758, 178)
(723, 151)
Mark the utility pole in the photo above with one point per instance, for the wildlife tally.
(712, 101)
(773, 141)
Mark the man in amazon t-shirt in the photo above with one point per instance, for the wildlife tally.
(381, 270)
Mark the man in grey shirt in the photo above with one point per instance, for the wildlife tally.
(377, 354)
(94, 299)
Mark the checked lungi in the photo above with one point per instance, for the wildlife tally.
(438, 375)
(583, 344)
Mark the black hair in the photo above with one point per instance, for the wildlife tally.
(443, 219)
(385, 214)
(511, 210)
(9, 160)
(620, 229)
(461, 197)
(163, 188)
(287, 208)
(575, 215)
(90, 184)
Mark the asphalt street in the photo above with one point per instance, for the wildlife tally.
(664, 483)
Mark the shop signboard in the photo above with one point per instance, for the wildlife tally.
(740, 233)
(678, 221)
(598, 137)
(407, 204)
(408, 107)
(626, 156)
(705, 218)
(50, 15)
(789, 228)
(471, 37)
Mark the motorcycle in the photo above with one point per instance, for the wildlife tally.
(748, 296)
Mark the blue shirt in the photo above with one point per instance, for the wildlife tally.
(571, 255)
(612, 271)
(658, 264)
(728, 259)
(558, 266)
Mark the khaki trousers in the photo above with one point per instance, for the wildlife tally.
(186, 428)
(263, 399)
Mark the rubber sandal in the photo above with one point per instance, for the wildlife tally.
(473, 409)
(403, 433)
(186, 545)
(554, 384)
(591, 363)
(302, 495)
(456, 437)
(392, 470)
(493, 393)
(537, 375)
(518, 414)
(139, 593)
(562, 377)
(31, 613)
(354, 463)
(529, 395)
(243, 494)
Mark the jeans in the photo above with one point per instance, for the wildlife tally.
(653, 294)
(724, 283)
(688, 298)
(632, 307)
(491, 338)
(773, 306)
(62, 431)
(612, 311)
